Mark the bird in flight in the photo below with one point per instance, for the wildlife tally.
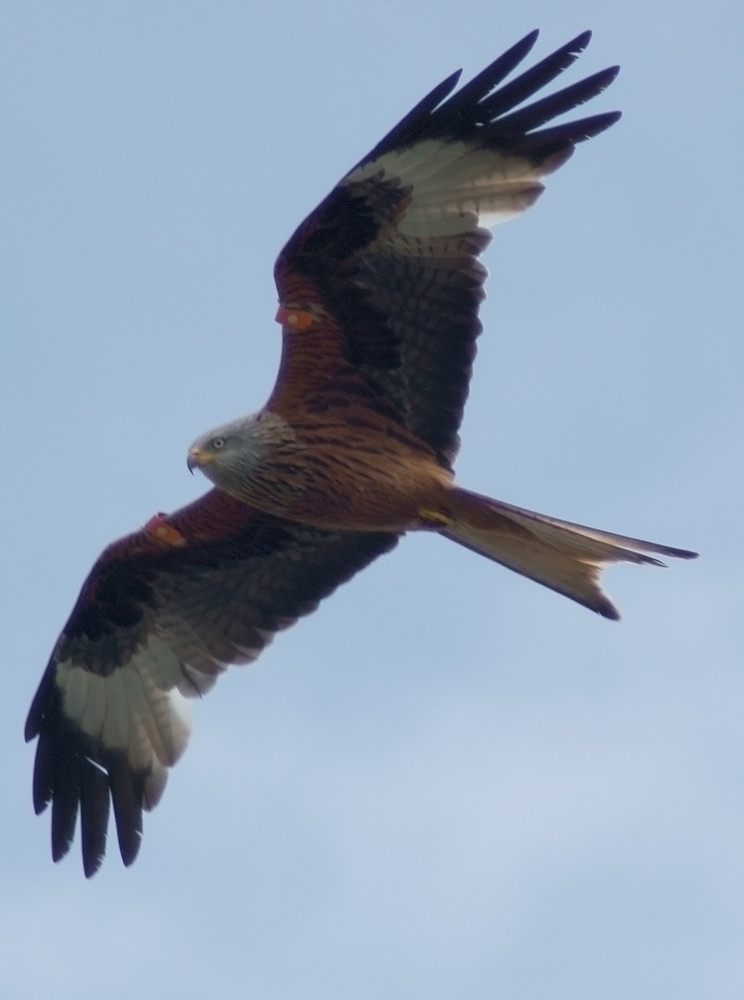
(379, 290)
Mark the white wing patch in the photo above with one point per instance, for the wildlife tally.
(137, 709)
(141, 707)
(456, 185)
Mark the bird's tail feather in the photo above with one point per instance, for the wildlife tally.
(568, 558)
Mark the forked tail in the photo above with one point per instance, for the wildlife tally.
(568, 558)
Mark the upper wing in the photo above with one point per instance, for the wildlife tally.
(163, 612)
(385, 270)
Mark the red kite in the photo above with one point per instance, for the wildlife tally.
(379, 290)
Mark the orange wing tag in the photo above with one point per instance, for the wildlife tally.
(159, 528)
(295, 319)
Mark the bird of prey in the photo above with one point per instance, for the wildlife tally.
(379, 290)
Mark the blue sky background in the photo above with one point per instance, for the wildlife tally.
(448, 782)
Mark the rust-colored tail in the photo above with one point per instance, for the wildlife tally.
(568, 558)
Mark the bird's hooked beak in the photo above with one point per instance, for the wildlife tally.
(196, 459)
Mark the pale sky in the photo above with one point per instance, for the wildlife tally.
(448, 782)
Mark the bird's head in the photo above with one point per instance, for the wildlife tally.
(227, 455)
(232, 456)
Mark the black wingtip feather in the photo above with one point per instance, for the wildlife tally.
(408, 128)
(41, 698)
(65, 800)
(475, 90)
(578, 44)
(484, 111)
(413, 126)
(535, 78)
(95, 803)
(79, 779)
(562, 138)
(539, 112)
(127, 794)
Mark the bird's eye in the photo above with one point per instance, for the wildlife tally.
(218, 443)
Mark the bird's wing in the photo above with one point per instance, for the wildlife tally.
(163, 612)
(381, 283)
